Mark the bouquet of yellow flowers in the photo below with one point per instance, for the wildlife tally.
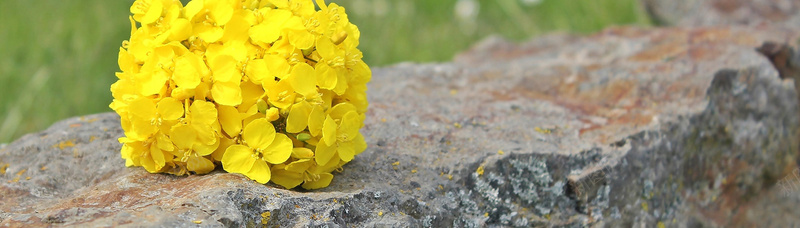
(272, 89)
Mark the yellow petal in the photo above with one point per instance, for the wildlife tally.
(348, 126)
(238, 159)
(281, 4)
(301, 39)
(164, 142)
(315, 120)
(303, 80)
(299, 166)
(326, 76)
(225, 69)
(257, 70)
(236, 30)
(143, 116)
(184, 136)
(199, 165)
(346, 152)
(126, 61)
(203, 112)
(332, 165)
(341, 84)
(158, 157)
(361, 73)
(324, 152)
(260, 172)
(205, 134)
(323, 181)
(326, 49)
(251, 94)
(339, 110)
(279, 151)
(278, 66)
(153, 12)
(221, 11)
(259, 134)
(152, 82)
(329, 131)
(192, 8)
(224, 143)
(322, 6)
(230, 120)
(298, 117)
(281, 95)
(186, 75)
(226, 93)
(264, 33)
(170, 109)
(286, 179)
(208, 33)
(181, 29)
(302, 152)
(204, 150)
(359, 145)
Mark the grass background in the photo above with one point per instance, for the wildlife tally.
(58, 58)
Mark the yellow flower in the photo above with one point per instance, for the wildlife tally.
(261, 145)
(147, 118)
(340, 135)
(191, 150)
(272, 89)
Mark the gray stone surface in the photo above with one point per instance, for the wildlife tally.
(772, 13)
(629, 127)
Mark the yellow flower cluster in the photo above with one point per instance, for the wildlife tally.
(272, 89)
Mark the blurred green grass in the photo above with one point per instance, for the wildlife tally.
(58, 58)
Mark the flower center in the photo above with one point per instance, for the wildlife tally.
(156, 121)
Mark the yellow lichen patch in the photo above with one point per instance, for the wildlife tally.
(92, 138)
(457, 125)
(265, 217)
(19, 175)
(91, 120)
(479, 171)
(43, 168)
(75, 125)
(661, 225)
(542, 130)
(3, 169)
(644, 206)
(453, 91)
(198, 221)
(28, 178)
(380, 213)
(500, 152)
(414, 171)
(383, 120)
(65, 144)
(449, 176)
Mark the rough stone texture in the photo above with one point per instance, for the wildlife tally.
(773, 13)
(683, 127)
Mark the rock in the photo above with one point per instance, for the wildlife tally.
(628, 127)
(773, 13)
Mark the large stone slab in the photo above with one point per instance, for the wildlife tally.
(759, 13)
(627, 127)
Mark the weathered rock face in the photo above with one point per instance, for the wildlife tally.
(772, 13)
(627, 127)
